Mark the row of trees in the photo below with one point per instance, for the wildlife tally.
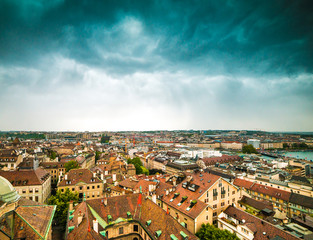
(301, 145)
(140, 169)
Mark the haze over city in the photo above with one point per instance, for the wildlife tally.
(146, 65)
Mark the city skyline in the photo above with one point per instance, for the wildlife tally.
(116, 66)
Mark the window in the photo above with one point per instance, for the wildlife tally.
(223, 204)
(80, 188)
(88, 187)
(233, 192)
(214, 214)
(98, 186)
(36, 190)
(73, 189)
(36, 199)
(207, 217)
(215, 206)
(93, 187)
(135, 228)
(121, 230)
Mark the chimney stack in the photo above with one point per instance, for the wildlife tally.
(105, 201)
(94, 174)
(65, 176)
(79, 218)
(102, 176)
(114, 177)
(95, 225)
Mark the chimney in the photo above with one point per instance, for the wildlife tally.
(105, 201)
(166, 193)
(114, 177)
(79, 218)
(95, 225)
(65, 176)
(102, 176)
(106, 173)
(94, 174)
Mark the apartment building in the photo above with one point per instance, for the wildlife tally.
(56, 169)
(279, 198)
(199, 199)
(248, 227)
(33, 184)
(83, 181)
(10, 159)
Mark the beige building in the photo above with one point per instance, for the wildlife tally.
(199, 199)
(10, 159)
(83, 181)
(271, 145)
(32, 184)
(56, 169)
(231, 145)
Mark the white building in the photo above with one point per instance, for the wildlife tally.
(254, 142)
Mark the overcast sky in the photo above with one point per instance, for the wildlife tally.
(146, 65)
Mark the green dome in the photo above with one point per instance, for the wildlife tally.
(7, 191)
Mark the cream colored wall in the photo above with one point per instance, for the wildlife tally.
(113, 231)
(228, 200)
(90, 193)
(181, 217)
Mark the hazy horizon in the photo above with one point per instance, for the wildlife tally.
(122, 65)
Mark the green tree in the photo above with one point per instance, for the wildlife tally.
(285, 145)
(71, 165)
(97, 156)
(53, 155)
(61, 200)
(208, 232)
(138, 165)
(249, 149)
(144, 170)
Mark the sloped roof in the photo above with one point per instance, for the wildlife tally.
(258, 226)
(301, 200)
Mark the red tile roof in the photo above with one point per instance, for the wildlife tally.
(242, 183)
(26, 177)
(75, 176)
(258, 226)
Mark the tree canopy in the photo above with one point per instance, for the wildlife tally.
(61, 200)
(249, 149)
(71, 165)
(138, 165)
(208, 232)
(53, 155)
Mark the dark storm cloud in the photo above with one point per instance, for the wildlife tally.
(268, 37)
(208, 61)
